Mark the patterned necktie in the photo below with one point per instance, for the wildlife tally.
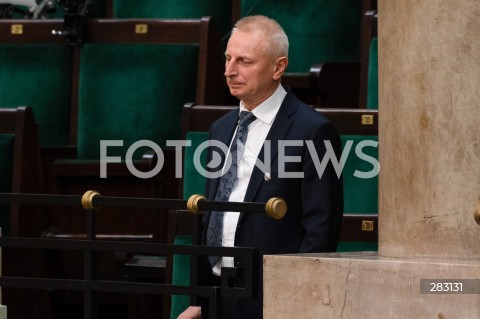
(227, 181)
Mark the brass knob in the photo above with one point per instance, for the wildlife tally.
(476, 214)
(87, 199)
(276, 208)
(192, 203)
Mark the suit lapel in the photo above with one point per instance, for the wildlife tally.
(280, 127)
(226, 129)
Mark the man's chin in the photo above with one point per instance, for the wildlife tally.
(236, 92)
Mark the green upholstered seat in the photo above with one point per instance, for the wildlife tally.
(133, 92)
(319, 31)
(173, 9)
(6, 167)
(372, 93)
(39, 76)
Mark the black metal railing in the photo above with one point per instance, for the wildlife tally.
(241, 282)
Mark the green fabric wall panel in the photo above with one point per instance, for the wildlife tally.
(131, 93)
(194, 182)
(360, 195)
(39, 76)
(174, 9)
(372, 93)
(6, 167)
(318, 30)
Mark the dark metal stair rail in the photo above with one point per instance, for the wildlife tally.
(240, 282)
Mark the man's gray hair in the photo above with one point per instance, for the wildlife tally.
(276, 39)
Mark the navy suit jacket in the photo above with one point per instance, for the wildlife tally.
(314, 203)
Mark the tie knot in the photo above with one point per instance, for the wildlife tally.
(246, 118)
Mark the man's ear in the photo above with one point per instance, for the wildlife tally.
(280, 67)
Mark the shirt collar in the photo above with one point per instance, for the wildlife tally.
(268, 109)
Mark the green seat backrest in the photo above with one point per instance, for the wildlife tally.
(130, 92)
(39, 76)
(174, 9)
(193, 181)
(6, 167)
(319, 31)
(360, 195)
(181, 277)
(372, 93)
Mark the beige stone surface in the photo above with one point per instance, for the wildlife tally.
(363, 285)
(429, 128)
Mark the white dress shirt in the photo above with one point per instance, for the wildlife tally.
(257, 132)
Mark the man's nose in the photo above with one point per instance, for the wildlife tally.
(230, 69)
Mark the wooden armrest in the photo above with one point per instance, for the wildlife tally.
(68, 167)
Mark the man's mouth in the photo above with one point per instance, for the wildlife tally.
(234, 84)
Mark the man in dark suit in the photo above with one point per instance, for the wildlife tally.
(299, 139)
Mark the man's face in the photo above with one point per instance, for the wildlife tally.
(251, 73)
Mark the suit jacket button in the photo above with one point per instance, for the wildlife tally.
(267, 177)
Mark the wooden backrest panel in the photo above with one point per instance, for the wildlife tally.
(199, 118)
(26, 172)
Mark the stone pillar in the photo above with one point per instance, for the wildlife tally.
(429, 128)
